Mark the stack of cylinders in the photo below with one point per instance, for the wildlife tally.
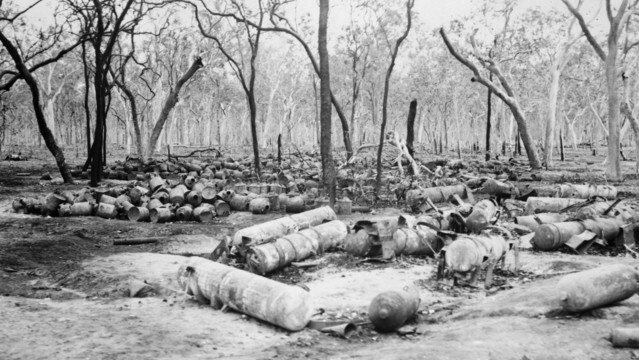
(273, 229)
(297, 246)
(287, 306)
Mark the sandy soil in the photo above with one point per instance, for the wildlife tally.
(64, 294)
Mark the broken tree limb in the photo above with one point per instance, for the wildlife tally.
(138, 241)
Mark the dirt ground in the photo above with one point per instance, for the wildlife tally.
(64, 294)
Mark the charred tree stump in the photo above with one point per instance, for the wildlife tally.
(410, 129)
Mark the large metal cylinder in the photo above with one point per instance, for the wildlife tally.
(597, 287)
(273, 229)
(484, 212)
(284, 305)
(298, 246)
(547, 204)
(586, 191)
(552, 236)
(534, 221)
(391, 309)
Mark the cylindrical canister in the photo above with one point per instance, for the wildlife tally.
(597, 287)
(284, 305)
(239, 202)
(81, 209)
(176, 195)
(222, 208)
(107, 211)
(391, 309)
(138, 214)
(194, 198)
(160, 215)
(259, 205)
(184, 213)
(534, 221)
(625, 337)
(483, 214)
(273, 229)
(203, 213)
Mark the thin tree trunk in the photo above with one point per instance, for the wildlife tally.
(328, 173)
(552, 113)
(49, 140)
(614, 164)
(489, 107)
(169, 104)
(389, 71)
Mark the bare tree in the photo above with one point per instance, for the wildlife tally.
(389, 72)
(26, 73)
(281, 25)
(613, 170)
(505, 93)
(253, 35)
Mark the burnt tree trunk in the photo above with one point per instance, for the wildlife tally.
(410, 127)
(489, 109)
